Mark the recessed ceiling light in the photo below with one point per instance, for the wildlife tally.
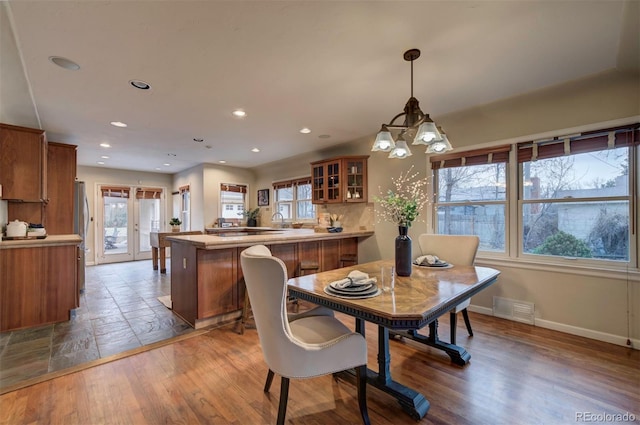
(64, 63)
(118, 124)
(239, 113)
(104, 157)
(139, 84)
(158, 168)
(105, 145)
(101, 162)
(171, 154)
(323, 136)
(305, 130)
(255, 150)
(197, 139)
(222, 161)
(166, 164)
(208, 146)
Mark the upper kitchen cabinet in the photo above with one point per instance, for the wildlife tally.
(61, 176)
(23, 153)
(338, 180)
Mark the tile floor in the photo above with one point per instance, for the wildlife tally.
(119, 310)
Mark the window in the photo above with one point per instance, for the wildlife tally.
(471, 196)
(575, 197)
(292, 199)
(232, 200)
(185, 202)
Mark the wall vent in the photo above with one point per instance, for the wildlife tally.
(519, 311)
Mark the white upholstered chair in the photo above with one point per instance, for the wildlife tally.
(459, 250)
(306, 345)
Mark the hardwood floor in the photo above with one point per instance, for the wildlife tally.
(518, 374)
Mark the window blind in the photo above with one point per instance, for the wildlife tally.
(474, 157)
(579, 143)
(148, 193)
(115, 191)
(238, 188)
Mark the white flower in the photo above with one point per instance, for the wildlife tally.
(403, 204)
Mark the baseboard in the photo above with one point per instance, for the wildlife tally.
(572, 330)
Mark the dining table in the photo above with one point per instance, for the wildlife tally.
(416, 302)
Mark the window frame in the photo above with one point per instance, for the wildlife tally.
(294, 202)
(563, 146)
(499, 154)
(513, 214)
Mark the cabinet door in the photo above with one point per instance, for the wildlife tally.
(288, 253)
(22, 163)
(330, 255)
(326, 180)
(217, 281)
(355, 172)
(61, 166)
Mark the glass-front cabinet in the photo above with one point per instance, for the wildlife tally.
(338, 180)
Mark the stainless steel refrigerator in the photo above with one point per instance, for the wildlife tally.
(81, 226)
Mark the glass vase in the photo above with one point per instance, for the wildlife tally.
(403, 252)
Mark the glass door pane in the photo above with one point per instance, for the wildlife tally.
(148, 212)
(115, 229)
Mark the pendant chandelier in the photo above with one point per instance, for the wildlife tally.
(415, 122)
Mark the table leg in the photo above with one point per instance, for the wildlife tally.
(163, 260)
(154, 257)
(411, 401)
(458, 354)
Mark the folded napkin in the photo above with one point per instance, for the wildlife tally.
(428, 260)
(355, 278)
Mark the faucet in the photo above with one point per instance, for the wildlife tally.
(281, 218)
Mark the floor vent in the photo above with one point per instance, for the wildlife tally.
(519, 311)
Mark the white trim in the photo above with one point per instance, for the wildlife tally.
(632, 275)
(572, 330)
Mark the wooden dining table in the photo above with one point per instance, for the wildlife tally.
(416, 302)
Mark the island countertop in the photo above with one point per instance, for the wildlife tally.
(272, 236)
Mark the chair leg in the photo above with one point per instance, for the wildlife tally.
(465, 315)
(267, 385)
(284, 396)
(361, 376)
(454, 322)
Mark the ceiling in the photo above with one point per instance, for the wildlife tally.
(335, 67)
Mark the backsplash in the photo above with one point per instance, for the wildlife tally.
(354, 216)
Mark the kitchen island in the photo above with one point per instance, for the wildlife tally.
(38, 281)
(207, 284)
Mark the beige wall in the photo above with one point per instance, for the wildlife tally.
(13, 83)
(583, 302)
(204, 182)
(93, 176)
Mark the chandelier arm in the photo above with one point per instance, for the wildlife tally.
(391, 123)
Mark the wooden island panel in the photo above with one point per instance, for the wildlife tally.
(217, 282)
(207, 283)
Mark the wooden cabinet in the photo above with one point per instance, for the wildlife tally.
(23, 165)
(338, 180)
(61, 170)
(38, 286)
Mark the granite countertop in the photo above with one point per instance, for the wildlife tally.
(273, 236)
(50, 240)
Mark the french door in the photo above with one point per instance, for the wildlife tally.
(126, 217)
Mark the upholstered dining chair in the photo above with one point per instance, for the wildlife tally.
(459, 250)
(300, 346)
